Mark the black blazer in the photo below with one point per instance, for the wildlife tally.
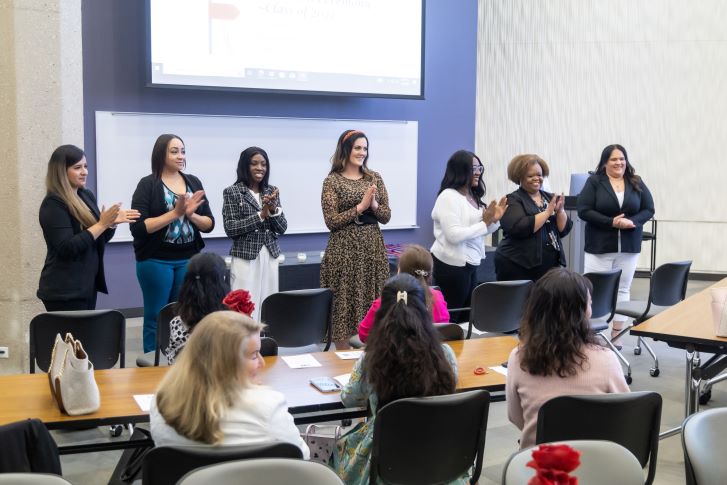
(73, 266)
(148, 199)
(521, 245)
(243, 224)
(598, 205)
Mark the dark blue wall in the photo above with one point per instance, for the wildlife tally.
(114, 80)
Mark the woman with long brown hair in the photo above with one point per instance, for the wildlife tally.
(558, 353)
(75, 232)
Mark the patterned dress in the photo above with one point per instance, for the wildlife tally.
(352, 457)
(355, 266)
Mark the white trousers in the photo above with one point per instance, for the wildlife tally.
(258, 276)
(626, 262)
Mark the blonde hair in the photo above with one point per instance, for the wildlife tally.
(207, 376)
(417, 261)
(518, 167)
(56, 183)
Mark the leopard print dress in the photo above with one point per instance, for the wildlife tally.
(354, 266)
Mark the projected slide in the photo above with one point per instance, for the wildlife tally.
(337, 46)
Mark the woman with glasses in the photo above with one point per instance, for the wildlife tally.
(533, 224)
(461, 222)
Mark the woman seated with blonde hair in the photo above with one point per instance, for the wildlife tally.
(209, 396)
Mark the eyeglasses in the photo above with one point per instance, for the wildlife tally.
(478, 169)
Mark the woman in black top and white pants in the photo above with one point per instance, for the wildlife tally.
(615, 203)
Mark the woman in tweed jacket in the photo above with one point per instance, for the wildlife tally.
(254, 219)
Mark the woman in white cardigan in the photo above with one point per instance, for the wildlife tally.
(209, 395)
(461, 222)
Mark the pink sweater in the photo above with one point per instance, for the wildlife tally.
(525, 392)
(440, 314)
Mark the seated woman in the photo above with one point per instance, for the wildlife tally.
(416, 261)
(203, 289)
(404, 358)
(557, 354)
(219, 367)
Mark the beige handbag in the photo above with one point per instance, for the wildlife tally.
(719, 311)
(71, 377)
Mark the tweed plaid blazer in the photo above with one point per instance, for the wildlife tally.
(241, 215)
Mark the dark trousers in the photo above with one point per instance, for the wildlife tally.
(70, 305)
(507, 270)
(456, 284)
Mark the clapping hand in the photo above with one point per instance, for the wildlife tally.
(108, 216)
(559, 203)
(193, 202)
(126, 216)
(494, 211)
(367, 200)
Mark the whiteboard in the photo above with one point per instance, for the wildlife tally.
(300, 150)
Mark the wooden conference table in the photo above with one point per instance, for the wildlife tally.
(28, 395)
(687, 325)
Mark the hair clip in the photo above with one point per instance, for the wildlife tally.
(402, 295)
(421, 272)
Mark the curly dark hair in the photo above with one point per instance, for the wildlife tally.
(555, 326)
(630, 173)
(404, 355)
(458, 174)
(203, 289)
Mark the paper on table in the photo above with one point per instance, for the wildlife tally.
(144, 401)
(350, 354)
(465, 326)
(500, 370)
(301, 361)
(343, 379)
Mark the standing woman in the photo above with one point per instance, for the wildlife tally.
(615, 203)
(75, 232)
(173, 213)
(354, 202)
(461, 221)
(254, 220)
(533, 224)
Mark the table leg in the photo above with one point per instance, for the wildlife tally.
(691, 391)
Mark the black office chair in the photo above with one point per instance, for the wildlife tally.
(668, 286)
(298, 318)
(155, 358)
(166, 465)
(102, 332)
(650, 237)
(603, 308)
(497, 306)
(450, 331)
(411, 446)
(630, 419)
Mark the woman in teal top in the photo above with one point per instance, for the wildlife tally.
(404, 358)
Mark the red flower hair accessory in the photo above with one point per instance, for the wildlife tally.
(239, 301)
(553, 463)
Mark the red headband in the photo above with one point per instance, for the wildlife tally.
(348, 135)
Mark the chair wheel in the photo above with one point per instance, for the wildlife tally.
(705, 397)
(637, 350)
(628, 379)
(116, 430)
(654, 372)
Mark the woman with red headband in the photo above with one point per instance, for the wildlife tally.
(354, 202)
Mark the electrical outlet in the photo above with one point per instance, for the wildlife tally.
(4, 353)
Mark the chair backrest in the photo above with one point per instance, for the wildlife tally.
(450, 331)
(270, 471)
(268, 347)
(630, 419)
(601, 462)
(166, 315)
(31, 479)
(410, 444)
(165, 465)
(605, 293)
(497, 306)
(703, 437)
(669, 283)
(297, 318)
(102, 333)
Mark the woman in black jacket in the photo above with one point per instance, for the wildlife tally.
(615, 203)
(173, 213)
(533, 224)
(75, 231)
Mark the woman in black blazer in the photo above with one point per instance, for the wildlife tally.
(75, 233)
(254, 220)
(173, 213)
(533, 224)
(615, 203)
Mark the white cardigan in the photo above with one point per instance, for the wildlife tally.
(459, 231)
(260, 416)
